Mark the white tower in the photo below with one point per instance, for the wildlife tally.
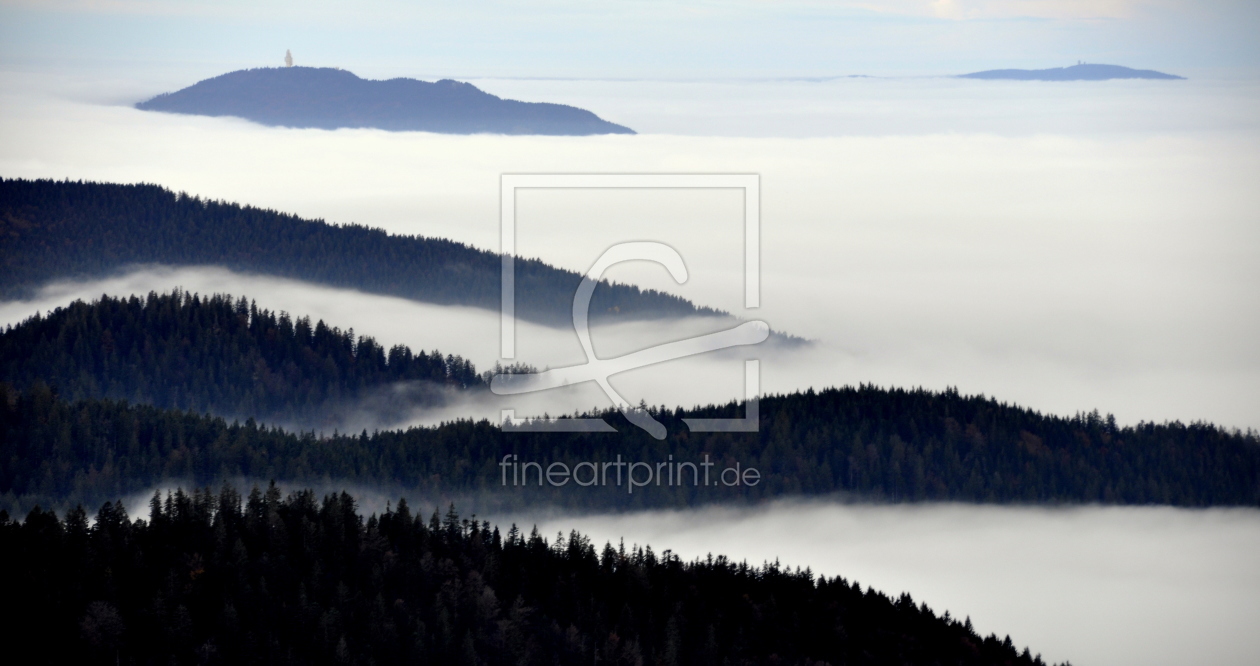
(288, 58)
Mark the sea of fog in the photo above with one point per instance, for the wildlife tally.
(1061, 246)
(1060, 266)
(1093, 585)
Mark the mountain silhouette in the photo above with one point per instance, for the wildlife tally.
(330, 98)
(1082, 72)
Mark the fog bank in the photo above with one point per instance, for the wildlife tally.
(1065, 272)
(1095, 585)
(473, 333)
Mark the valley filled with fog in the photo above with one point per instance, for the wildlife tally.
(1093, 585)
(1065, 247)
(1065, 272)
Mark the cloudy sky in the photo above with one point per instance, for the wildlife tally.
(639, 38)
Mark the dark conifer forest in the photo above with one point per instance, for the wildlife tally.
(108, 400)
(57, 230)
(214, 579)
(865, 443)
(225, 357)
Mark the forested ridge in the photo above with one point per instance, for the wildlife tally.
(217, 579)
(226, 357)
(60, 229)
(866, 442)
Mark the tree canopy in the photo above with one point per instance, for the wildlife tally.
(226, 357)
(57, 230)
(864, 442)
(220, 579)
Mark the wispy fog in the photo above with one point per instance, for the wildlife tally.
(1097, 586)
(1065, 271)
(472, 333)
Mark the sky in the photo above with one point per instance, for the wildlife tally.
(630, 38)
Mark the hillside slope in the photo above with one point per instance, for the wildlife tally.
(53, 230)
(331, 98)
(277, 581)
(225, 357)
(865, 442)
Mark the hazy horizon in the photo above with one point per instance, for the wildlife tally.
(565, 38)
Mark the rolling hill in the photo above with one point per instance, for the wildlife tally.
(1080, 72)
(52, 230)
(330, 98)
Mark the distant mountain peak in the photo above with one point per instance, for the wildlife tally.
(332, 98)
(1077, 72)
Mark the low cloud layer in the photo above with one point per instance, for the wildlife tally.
(1064, 272)
(1094, 585)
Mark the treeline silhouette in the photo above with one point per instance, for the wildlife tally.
(871, 443)
(214, 579)
(224, 356)
(53, 230)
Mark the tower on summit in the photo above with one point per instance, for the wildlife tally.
(288, 58)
